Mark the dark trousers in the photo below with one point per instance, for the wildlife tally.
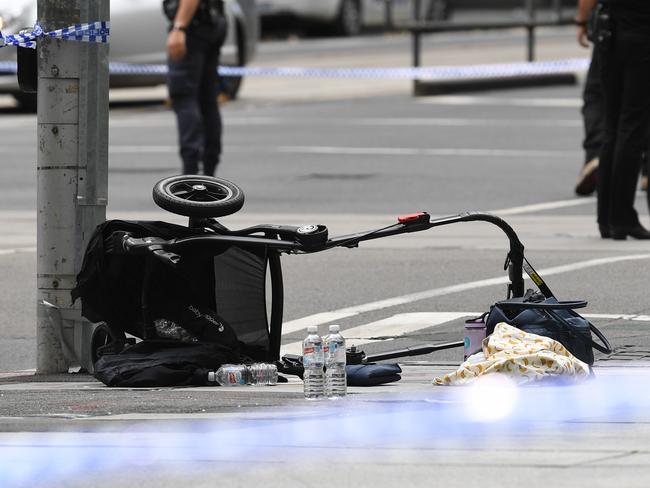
(625, 77)
(193, 86)
(593, 109)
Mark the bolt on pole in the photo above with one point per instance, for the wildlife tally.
(72, 174)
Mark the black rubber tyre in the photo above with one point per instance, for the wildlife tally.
(230, 85)
(198, 196)
(106, 339)
(349, 20)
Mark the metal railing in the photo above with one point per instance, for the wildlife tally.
(418, 28)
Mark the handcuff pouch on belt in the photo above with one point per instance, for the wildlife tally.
(599, 25)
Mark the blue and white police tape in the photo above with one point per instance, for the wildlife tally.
(484, 71)
(503, 70)
(88, 32)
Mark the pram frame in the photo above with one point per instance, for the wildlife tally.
(293, 240)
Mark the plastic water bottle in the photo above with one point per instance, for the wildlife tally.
(313, 360)
(230, 375)
(263, 374)
(335, 377)
(241, 374)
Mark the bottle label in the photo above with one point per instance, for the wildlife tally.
(235, 375)
(312, 355)
(337, 353)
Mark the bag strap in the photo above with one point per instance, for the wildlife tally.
(564, 305)
(606, 348)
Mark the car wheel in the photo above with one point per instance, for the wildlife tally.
(106, 339)
(198, 196)
(27, 101)
(230, 85)
(349, 20)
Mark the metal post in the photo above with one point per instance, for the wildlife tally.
(417, 48)
(530, 9)
(388, 13)
(417, 4)
(557, 8)
(72, 170)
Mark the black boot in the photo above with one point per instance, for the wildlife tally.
(636, 231)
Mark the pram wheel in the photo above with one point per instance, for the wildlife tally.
(106, 339)
(198, 196)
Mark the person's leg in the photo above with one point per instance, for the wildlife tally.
(210, 113)
(183, 83)
(593, 108)
(611, 84)
(208, 99)
(631, 131)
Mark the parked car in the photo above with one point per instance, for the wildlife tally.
(348, 17)
(138, 36)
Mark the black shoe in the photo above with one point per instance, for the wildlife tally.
(605, 231)
(636, 231)
(587, 179)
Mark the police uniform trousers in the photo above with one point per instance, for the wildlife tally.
(625, 78)
(193, 84)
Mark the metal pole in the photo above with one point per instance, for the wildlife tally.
(557, 8)
(388, 13)
(72, 169)
(417, 53)
(530, 8)
(417, 4)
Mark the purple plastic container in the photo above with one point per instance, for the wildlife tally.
(474, 335)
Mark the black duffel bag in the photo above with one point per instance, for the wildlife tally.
(548, 317)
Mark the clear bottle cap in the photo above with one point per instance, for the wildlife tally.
(312, 329)
(335, 328)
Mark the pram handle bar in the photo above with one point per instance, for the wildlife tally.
(515, 260)
(277, 238)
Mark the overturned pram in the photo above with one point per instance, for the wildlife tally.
(222, 286)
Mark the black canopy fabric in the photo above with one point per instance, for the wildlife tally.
(220, 285)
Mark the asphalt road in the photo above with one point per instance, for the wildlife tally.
(353, 155)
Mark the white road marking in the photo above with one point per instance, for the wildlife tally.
(5, 252)
(512, 102)
(617, 316)
(459, 122)
(540, 207)
(142, 149)
(400, 325)
(413, 151)
(369, 121)
(361, 151)
(391, 327)
(335, 315)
